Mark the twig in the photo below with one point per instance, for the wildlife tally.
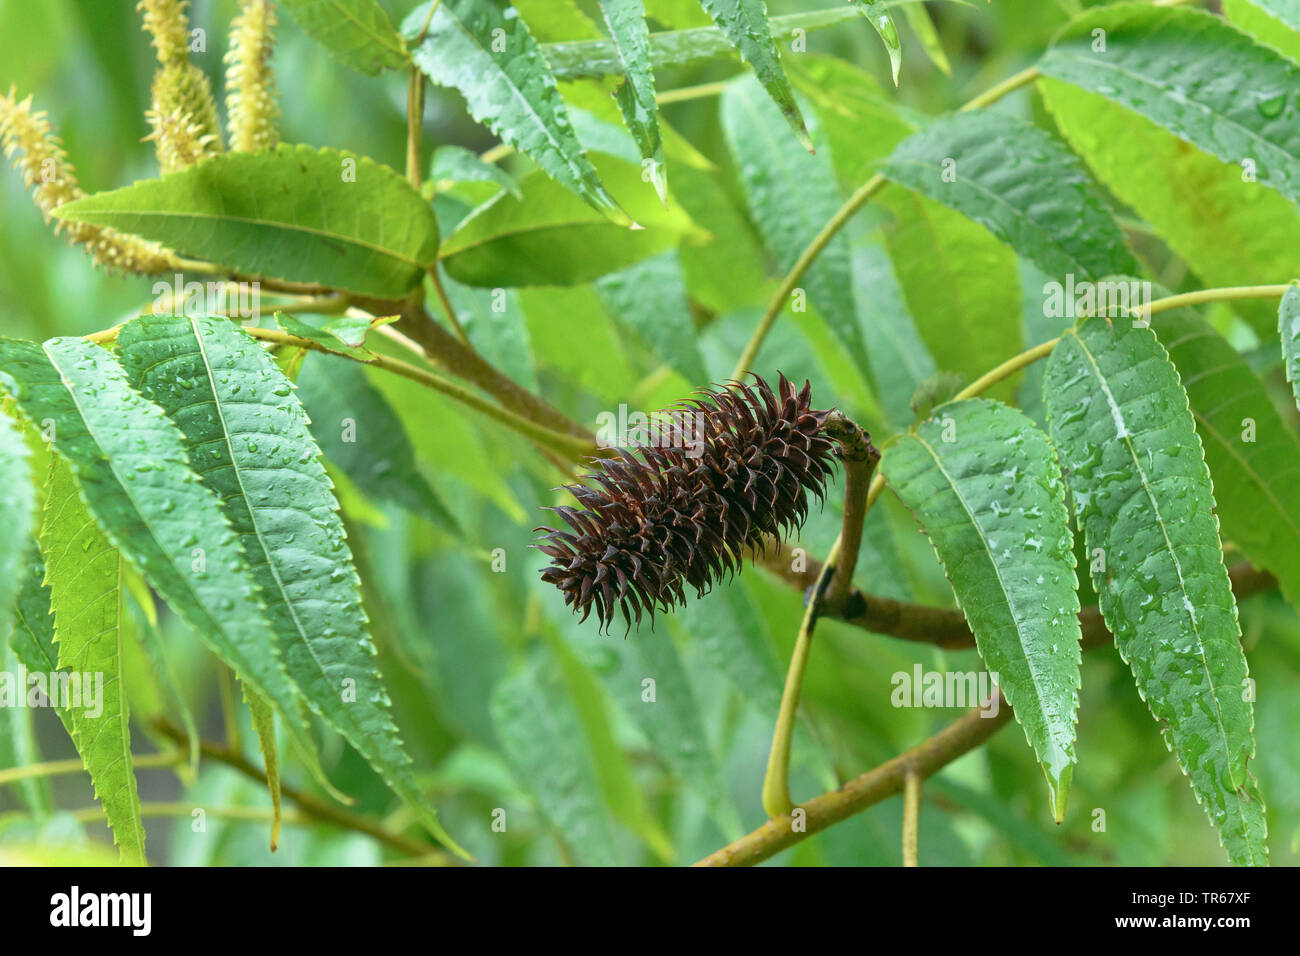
(962, 735)
(441, 348)
(860, 458)
(911, 818)
(947, 628)
(319, 809)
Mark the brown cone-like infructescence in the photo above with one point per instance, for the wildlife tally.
(723, 474)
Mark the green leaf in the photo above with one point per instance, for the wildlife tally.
(84, 575)
(860, 121)
(1120, 420)
(636, 97)
(1230, 232)
(137, 482)
(918, 18)
(791, 195)
(299, 213)
(878, 14)
(1288, 327)
(542, 736)
(959, 283)
(899, 359)
(1252, 453)
(1191, 73)
(357, 32)
(495, 62)
(985, 485)
(549, 237)
(360, 433)
(456, 164)
(1020, 184)
(263, 718)
(621, 793)
(649, 299)
(1275, 22)
(17, 512)
(251, 448)
(556, 20)
(745, 24)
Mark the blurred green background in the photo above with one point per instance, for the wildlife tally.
(505, 701)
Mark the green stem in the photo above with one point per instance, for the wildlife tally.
(54, 768)
(776, 783)
(796, 273)
(445, 302)
(414, 124)
(995, 93)
(911, 818)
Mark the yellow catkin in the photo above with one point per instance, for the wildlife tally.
(251, 110)
(183, 116)
(38, 154)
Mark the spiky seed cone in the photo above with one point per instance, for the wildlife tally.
(661, 519)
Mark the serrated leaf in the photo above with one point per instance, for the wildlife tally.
(985, 485)
(1120, 420)
(542, 737)
(136, 478)
(1020, 184)
(745, 24)
(1191, 73)
(251, 448)
(17, 513)
(1229, 231)
(359, 432)
(357, 32)
(84, 575)
(883, 23)
(549, 237)
(1288, 327)
(636, 97)
(308, 215)
(791, 196)
(959, 283)
(494, 61)
(1252, 453)
(649, 299)
(1275, 22)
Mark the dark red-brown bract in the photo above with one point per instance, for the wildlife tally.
(684, 510)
